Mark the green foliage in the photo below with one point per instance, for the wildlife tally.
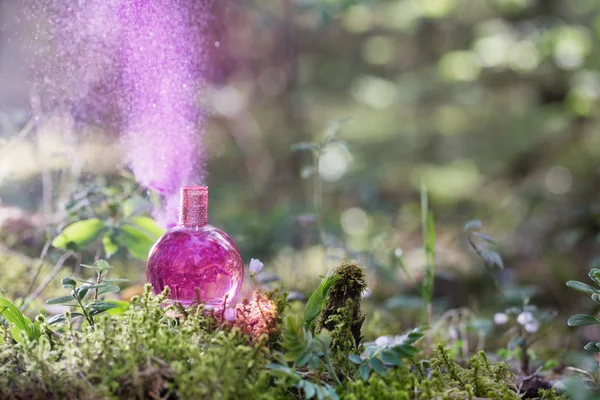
(377, 357)
(101, 286)
(141, 353)
(21, 327)
(428, 232)
(490, 257)
(304, 350)
(114, 224)
(79, 234)
(289, 377)
(583, 319)
(342, 313)
(316, 302)
(149, 350)
(317, 148)
(438, 378)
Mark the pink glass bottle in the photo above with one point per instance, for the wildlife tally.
(195, 260)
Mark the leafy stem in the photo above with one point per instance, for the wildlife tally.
(86, 314)
(101, 286)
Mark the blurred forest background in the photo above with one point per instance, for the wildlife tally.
(492, 104)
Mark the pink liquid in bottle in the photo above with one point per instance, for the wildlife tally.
(195, 260)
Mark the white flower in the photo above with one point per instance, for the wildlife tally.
(525, 317)
(382, 341)
(532, 326)
(398, 252)
(500, 318)
(230, 314)
(255, 266)
(399, 339)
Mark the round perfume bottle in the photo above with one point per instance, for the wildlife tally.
(198, 262)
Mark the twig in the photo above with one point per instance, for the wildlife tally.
(537, 371)
(40, 265)
(488, 268)
(47, 280)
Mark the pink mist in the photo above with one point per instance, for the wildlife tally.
(197, 261)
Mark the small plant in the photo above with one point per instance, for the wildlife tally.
(425, 288)
(585, 319)
(428, 232)
(107, 219)
(317, 148)
(329, 326)
(20, 326)
(378, 355)
(100, 286)
(316, 303)
(526, 325)
(304, 349)
(481, 243)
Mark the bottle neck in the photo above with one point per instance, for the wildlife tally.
(193, 206)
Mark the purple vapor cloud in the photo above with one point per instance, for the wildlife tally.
(135, 67)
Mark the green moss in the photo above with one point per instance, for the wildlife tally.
(148, 352)
(342, 313)
(438, 378)
(15, 266)
(140, 352)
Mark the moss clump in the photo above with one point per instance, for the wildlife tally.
(152, 351)
(439, 378)
(342, 313)
(142, 353)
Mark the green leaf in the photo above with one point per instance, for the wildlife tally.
(582, 320)
(110, 246)
(492, 258)
(79, 234)
(62, 318)
(20, 324)
(581, 287)
(389, 357)
(68, 283)
(316, 301)
(102, 265)
(304, 357)
(594, 275)
(309, 390)
(405, 349)
(377, 365)
(355, 358)
(135, 240)
(99, 306)
(364, 371)
(596, 297)
(121, 307)
(428, 233)
(148, 226)
(592, 346)
(60, 300)
(81, 291)
(278, 367)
